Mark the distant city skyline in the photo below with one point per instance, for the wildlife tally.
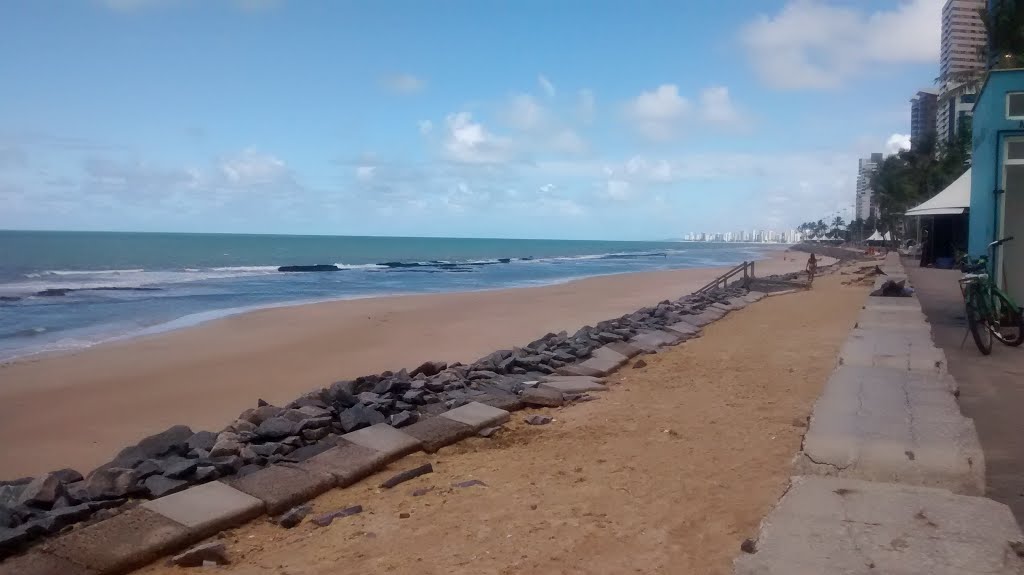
(745, 236)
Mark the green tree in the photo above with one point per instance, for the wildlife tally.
(838, 224)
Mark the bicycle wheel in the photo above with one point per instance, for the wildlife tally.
(1009, 327)
(977, 323)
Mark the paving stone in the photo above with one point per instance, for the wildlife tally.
(347, 462)
(884, 424)
(478, 415)
(283, 487)
(901, 349)
(578, 370)
(846, 526)
(39, 563)
(624, 348)
(208, 509)
(651, 341)
(609, 353)
(124, 542)
(390, 442)
(542, 397)
(604, 361)
(433, 433)
(684, 329)
(704, 318)
(754, 296)
(577, 385)
(506, 402)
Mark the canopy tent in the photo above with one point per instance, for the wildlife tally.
(877, 237)
(954, 200)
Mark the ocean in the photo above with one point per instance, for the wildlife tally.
(69, 290)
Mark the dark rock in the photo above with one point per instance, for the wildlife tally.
(538, 420)
(204, 440)
(368, 397)
(542, 396)
(76, 492)
(225, 447)
(158, 486)
(276, 428)
(261, 414)
(469, 483)
(248, 469)
(316, 434)
(180, 468)
(488, 432)
(358, 417)
(403, 515)
(128, 458)
(206, 473)
(327, 518)
(748, 546)
(403, 406)
(430, 368)
(12, 539)
(403, 418)
(294, 516)
(60, 518)
(639, 364)
(311, 450)
(391, 386)
(414, 396)
(483, 374)
(260, 402)
(112, 483)
(243, 426)
(314, 411)
(42, 492)
(173, 439)
(214, 552)
(341, 393)
(68, 475)
(225, 464)
(9, 494)
(294, 415)
(315, 422)
(407, 475)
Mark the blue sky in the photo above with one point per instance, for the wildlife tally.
(571, 119)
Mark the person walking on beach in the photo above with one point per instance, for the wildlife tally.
(812, 268)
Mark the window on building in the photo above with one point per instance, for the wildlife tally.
(1015, 105)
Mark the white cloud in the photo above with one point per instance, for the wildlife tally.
(468, 142)
(897, 143)
(815, 44)
(716, 107)
(568, 141)
(657, 114)
(403, 83)
(365, 173)
(524, 113)
(546, 86)
(425, 126)
(252, 168)
(586, 105)
(618, 190)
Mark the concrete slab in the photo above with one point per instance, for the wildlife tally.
(704, 318)
(754, 296)
(347, 462)
(604, 361)
(892, 318)
(580, 385)
(389, 441)
(910, 349)
(651, 341)
(283, 487)
(846, 526)
(723, 307)
(579, 370)
(433, 433)
(477, 415)
(625, 348)
(572, 378)
(124, 542)
(878, 302)
(508, 402)
(39, 563)
(891, 425)
(609, 353)
(684, 329)
(207, 509)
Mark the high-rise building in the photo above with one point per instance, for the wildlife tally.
(964, 39)
(962, 52)
(865, 204)
(922, 115)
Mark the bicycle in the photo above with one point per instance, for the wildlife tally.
(991, 313)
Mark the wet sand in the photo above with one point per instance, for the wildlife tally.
(78, 410)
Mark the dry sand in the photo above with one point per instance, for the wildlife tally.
(80, 409)
(668, 472)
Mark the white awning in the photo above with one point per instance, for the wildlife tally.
(877, 237)
(955, 199)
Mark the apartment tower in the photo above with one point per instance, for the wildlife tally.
(866, 167)
(963, 46)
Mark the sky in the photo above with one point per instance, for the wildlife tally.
(596, 119)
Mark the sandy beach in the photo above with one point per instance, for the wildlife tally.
(79, 409)
(667, 472)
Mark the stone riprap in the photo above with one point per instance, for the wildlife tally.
(335, 435)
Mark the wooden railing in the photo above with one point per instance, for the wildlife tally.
(746, 268)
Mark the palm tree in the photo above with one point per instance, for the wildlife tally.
(837, 224)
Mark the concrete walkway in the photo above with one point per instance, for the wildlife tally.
(991, 387)
(885, 433)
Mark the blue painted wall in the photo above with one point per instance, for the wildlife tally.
(991, 128)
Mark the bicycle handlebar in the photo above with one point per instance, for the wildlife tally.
(1000, 242)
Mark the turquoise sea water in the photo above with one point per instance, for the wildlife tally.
(109, 285)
